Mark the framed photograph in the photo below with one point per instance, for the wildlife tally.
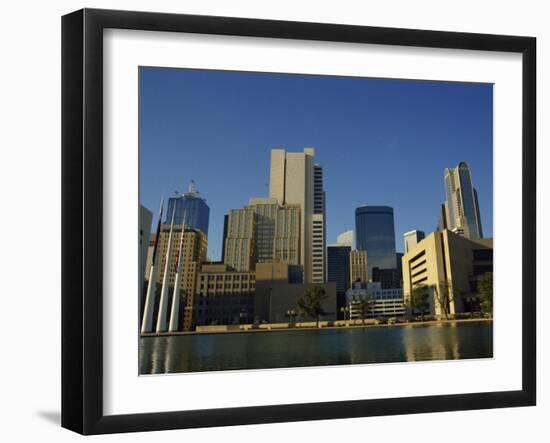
(268, 221)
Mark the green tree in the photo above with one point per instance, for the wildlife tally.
(418, 300)
(364, 304)
(485, 289)
(311, 303)
(444, 295)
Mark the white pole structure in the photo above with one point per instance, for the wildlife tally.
(163, 306)
(174, 312)
(147, 320)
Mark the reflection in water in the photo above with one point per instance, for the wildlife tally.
(259, 350)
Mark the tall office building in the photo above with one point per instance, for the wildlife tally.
(338, 272)
(460, 211)
(358, 266)
(338, 266)
(239, 251)
(375, 233)
(261, 232)
(190, 208)
(193, 254)
(296, 180)
(277, 235)
(412, 238)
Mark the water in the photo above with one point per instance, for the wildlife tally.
(283, 349)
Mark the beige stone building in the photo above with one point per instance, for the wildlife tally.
(223, 295)
(240, 239)
(444, 257)
(358, 267)
(263, 231)
(296, 180)
(194, 253)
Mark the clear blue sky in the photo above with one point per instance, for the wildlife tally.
(380, 142)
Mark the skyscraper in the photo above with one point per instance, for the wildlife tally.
(411, 239)
(191, 207)
(261, 232)
(296, 180)
(358, 266)
(460, 212)
(338, 271)
(375, 233)
(338, 267)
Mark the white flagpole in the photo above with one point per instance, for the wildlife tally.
(147, 320)
(174, 314)
(163, 306)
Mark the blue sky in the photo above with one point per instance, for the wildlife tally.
(380, 141)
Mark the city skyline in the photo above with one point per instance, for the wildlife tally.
(168, 129)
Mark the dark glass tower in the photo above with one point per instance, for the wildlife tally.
(189, 208)
(338, 270)
(375, 233)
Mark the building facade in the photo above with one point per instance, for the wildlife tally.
(375, 233)
(223, 296)
(383, 302)
(263, 231)
(189, 208)
(411, 239)
(193, 254)
(338, 271)
(460, 211)
(358, 266)
(295, 179)
(447, 259)
(239, 242)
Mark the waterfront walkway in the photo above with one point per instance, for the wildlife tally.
(302, 326)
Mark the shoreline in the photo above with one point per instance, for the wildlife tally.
(310, 328)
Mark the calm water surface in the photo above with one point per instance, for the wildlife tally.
(281, 349)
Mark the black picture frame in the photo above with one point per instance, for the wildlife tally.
(82, 216)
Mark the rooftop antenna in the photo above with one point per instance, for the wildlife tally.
(192, 189)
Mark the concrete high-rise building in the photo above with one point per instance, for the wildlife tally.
(412, 238)
(239, 251)
(193, 254)
(345, 238)
(189, 208)
(375, 233)
(277, 236)
(446, 258)
(460, 211)
(358, 266)
(295, 179)
(263, 231)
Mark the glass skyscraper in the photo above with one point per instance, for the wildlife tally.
(338, 267)
(189, 208)
(460, 212)
(375, 233)
(338, 271)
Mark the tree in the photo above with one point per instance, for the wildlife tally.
(418, 300)
(485, 289)
(364, 305)
(311, 302)
(444, 295)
